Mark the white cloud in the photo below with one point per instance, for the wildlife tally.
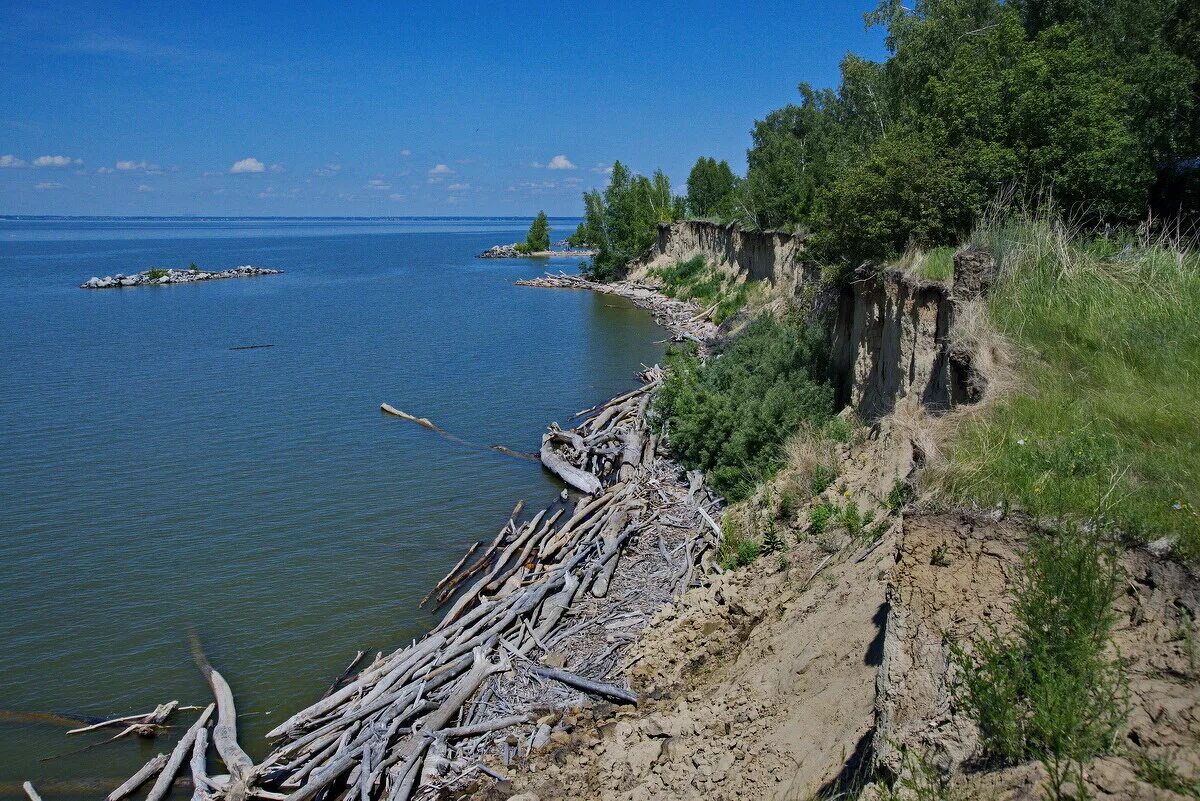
(328, 170)
(560, 162)
(56, 161)
(440, 169)
(406, 152)
(135, 166)
(377, 183)
(247, 165)
(396, 196)
(145, 188)
(44, 185)
(278, 168)
(9, 160)
(458, 187)
(603, 169)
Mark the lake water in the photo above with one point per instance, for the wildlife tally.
(153, 481)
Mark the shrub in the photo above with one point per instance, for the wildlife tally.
(155, 273)
(737, 548)
(1049, 691)
(819, 517)
(731, 415)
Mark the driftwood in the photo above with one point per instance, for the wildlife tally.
(155, 718)
(29, 791)
(182, 750)
(143, 775)
(580, 577)
(599, 689)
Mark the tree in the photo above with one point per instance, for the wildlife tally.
(621, 223)
(538, 238)
(710, 188)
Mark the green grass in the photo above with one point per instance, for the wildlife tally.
(1104, 415)
(737, 549)
(937, 264)
(694, 279)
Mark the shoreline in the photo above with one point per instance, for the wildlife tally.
(535, 628)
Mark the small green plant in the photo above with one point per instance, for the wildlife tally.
(899, 496)
(771, 542)
(851, 519)
(1049, 691)
(155, 273)
(819, 517)
(938, 558)
(839, 429)
(192, 268)
(919, 780)
(822, 477)
(737, 549)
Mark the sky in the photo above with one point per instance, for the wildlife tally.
(357, 109)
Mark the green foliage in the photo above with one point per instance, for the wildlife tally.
(155, 273)
(711, 186)
(851, 519)
(694, 280)
(192, 268)
(1050, 690)
(1077, 101)
(1110, 411)
(737, 548)
(731, 415)
(819, 517)
(1162, 773)
(538, 238)
(899, 496)
(621, 223)
(823, 476)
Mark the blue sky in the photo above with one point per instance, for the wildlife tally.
(388, 109)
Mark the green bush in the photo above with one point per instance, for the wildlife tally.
(737, 549)
(622, 222)
(1050, 690)
(731, 415)
(155, 273)
(819, 517)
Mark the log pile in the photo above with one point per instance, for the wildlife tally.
(685, 319)
(534, 623)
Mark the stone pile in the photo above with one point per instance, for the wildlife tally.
(156, 277)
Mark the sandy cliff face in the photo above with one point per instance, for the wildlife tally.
(772, 256)
(891, 332)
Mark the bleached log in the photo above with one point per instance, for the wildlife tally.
(31, 792)
(153, 766)
(157, 717)
(182, 749)
(581, 480)
(199, 766)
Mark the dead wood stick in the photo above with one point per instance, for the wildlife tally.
(160, 714)
(596, 688)
(29, 791)
(199, 766)
(182, 749)
(453, 570)
(342, 677)
(483, 727)
(138, 779)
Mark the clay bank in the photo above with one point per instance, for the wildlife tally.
(159, 277)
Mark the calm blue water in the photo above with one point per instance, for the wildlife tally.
(152, 480)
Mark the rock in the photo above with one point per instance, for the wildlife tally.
(501, 252)
(173, 277)
(974, 270)
(525, 797)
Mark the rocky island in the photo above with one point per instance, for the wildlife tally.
(517, 250)
(155, 277)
